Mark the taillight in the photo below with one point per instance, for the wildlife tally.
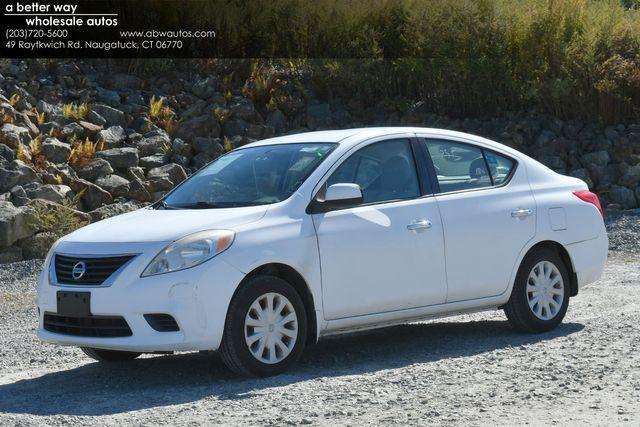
(589, 197)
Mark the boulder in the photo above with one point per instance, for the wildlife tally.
(138, 191)
(205, 125)
(154, 161)
(17, 175)
(153, 142)
(89, 128)
(210, 146)
(112, 116)
(135, 172)
(175, 173)
(600, 158)
(179, 147)
(19, 196)
(205, 88)
(56, 151)
(95, 169)
(277, 120)
(109, 97)
(319, 116)
(7, 153)
(96, 118)
(92, 196)
(13, 135)
(631, 177)
(235, 127)
(142, 125)
(82, 217)
(112, 137)
(114, 184)
(120, 158)
(38, 245)
(243, 109)
(200, 160)
(51, 192)
(72, 129)
(10, 254)
(15, 223)
(623, 197)
(114, 209)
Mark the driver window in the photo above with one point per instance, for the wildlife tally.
(384, 171)
(458, 166)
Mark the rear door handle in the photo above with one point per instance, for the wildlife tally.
(424, 224)
(521, 213)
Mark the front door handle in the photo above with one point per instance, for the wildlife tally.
(424, 224)
(521, 213)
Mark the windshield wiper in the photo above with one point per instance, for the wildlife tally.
(162, 204)
(202, 205)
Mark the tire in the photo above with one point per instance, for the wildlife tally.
(245, 341)
(523, 313)
(109, 355)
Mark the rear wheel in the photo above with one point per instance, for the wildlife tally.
(266, 327)
(540, 294)
(109, 355)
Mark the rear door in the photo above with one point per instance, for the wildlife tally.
(488, 215)
(387, 253)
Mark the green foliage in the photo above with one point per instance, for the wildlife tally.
(58, 219)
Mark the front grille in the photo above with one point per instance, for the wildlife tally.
(97, 270)
(90, 326)
(162, 322)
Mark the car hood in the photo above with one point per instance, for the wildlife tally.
(150, 225)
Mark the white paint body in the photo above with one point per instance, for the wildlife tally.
(362, 266)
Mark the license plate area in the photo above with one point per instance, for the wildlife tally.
(74, 304)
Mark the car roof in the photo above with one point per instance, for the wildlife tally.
(350, 137)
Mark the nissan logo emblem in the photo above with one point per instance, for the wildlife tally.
(78, 270)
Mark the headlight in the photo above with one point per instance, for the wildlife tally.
(190, 251)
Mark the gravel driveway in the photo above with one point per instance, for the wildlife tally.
(465, 370)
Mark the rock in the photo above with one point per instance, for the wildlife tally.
(136, 172)
(179, 147)
(7, 153)
(95, 169)
(13, 135)
(210, 146)
(260, 131)
(66, 69)
(19, 175)
(114, 184)
(277, 120)
(114, 209)
(196, 109)
(243, 109)
(112, 137)
(180, 160)
(109, 97)
(82, 217)
(53, 193)
(112, 116)
(154, 142)
(205, 88)
(24, 120)
(142, 125)
(38, 245)
(72, 129)
(90, 128)
(19, 196)
(10, 254)
(159, 184)
(622, 196)
(600, 158)
(92, 196)
(234, 127)
(15, 223)
(204, 125)
(175, 173)
(120, 158)
(200, 160)
(154, 161)
(51, 111)
(138, 191)
(96, 118)
(49, 128)
(582, 174)
(631, 177)
(319, 116)
(56, 151)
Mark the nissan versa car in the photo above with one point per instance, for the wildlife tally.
(286, 240)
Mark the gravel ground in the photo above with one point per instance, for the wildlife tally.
(466, 370)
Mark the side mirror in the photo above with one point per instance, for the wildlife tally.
(336, 196)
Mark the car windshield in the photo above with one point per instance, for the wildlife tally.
(249, 176)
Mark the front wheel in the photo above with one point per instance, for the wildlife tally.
(540, 295)
(109, 355)
(266, 328)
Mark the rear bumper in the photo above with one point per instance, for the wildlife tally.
(589, 258)
(197, 298)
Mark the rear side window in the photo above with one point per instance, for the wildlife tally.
(384, 171)
(463, 167)
(500, 167)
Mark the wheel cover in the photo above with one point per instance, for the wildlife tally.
(271, 328)
(545, 290)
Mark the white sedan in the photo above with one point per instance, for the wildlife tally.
(286, 240)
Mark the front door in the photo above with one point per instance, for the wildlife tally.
(386, 254)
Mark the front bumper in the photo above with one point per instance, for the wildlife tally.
(197, 298)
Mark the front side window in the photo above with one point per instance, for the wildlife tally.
(458, 166)
(250, 176)
(384, 171)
